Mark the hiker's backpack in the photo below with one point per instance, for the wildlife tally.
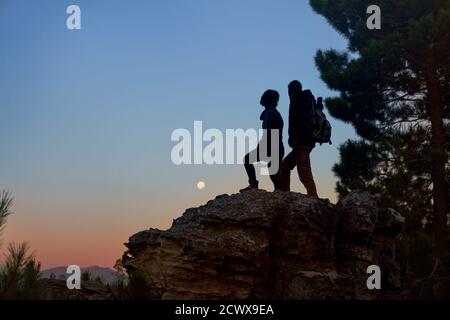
(319, 126)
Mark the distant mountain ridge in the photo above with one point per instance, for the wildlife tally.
(108, 275)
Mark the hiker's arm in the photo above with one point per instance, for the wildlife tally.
(267, 133)
(302, 123)
(291, 127)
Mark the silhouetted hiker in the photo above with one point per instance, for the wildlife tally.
(300, 139)
(271, 119)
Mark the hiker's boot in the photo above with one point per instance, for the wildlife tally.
(253, 185)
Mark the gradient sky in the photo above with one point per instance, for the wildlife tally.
(86, 116)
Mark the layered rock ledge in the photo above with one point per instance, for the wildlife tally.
(261, 245)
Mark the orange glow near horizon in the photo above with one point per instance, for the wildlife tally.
(92, 237)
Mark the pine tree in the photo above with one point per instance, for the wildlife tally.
(19, 273)
(394, 83)
(5, 206)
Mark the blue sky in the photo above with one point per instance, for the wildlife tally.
(87, 114)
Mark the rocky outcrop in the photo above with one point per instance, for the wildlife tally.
(261, 245)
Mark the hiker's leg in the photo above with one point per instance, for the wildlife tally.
(249, 159)
(287, 165)
(304, 170)
(276, 179)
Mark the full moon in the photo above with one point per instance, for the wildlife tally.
(201, 185)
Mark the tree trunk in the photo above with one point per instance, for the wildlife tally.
(438, 172)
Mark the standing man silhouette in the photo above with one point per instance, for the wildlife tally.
(299, 140)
